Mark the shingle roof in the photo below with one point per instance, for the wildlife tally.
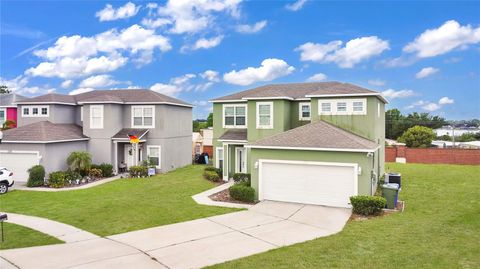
(43, 132)
(125, 132)
(298, 90)
(10, 98)
(123, 96)
(234, 134)
(317, 135)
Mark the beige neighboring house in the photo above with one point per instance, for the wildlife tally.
(197, 143)
(207, 135)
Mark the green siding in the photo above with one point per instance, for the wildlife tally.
(364, 179)
(295, 114)
(281, 119)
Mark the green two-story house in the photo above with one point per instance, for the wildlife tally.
(313, 143)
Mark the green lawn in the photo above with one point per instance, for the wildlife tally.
(17, 236)
(122, 205)
(439, 229)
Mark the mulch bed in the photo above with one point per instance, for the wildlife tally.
(400, 207)
(224, 196)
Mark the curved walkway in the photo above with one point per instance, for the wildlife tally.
(62, 231)
(23, 187)
(204, 199)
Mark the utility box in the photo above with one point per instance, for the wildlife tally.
(394, 178)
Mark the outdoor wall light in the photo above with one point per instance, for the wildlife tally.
(370, 154)
(256, 165)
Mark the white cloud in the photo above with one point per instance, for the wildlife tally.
(204, 43)
(80, 90)
(425, 72)
(445, 101)
(15, 84)
(393, 94)
(354, 51)
(431, 107)
(438, 41)
(186, 83)
(297, 5)
(67, 84)
(210, 75)
(376, 82)
(270, 69)
(98, 81)
(155, 23)
(317, 77)
(110, 14)
(251, 29)
(167, 89)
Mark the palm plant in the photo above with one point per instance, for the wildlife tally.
(80, 162)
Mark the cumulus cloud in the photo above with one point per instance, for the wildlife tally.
(80, 90)
(98, 81)
(393, 94)
(155, 23)
(109, 13)
(251, 29)
(210, 75)
(354, 51)
(451, 35)
(445, 101)
(20, 85)
(205, 43)
(431, 106)
(67, 84)
(269, 70)
(317, 77)
(296, 6)
(376, 82)
(425, 72)
(186, 83)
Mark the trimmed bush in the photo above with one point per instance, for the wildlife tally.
(242, 192)
(57, 179)
(36, 176)
(210, 168)
(211, 175)
(368, 205)
(95, 173)
(72, 176)
(138, 171)
(80, 162)
(107, 169)
(241, 177)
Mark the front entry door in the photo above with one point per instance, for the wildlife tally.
(130, 155)
(241, 160)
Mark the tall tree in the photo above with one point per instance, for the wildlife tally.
(4, 89)
(210, 120)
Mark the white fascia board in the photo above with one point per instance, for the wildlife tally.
(44, 142)
(233, 141)
(228, 101)
(312, 149)
(45, 103)
(268, 98)
(158, 103)
(349, 95)
(101, 102)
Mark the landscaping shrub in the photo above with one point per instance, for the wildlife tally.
(210, 168)
(36, 176)
(138, 171)
(107, 169)
(72, 176)
(57, 179)
(80, 162)
(95, 173)
(368, 205)
(242, 192)
(211, 175)
(417, 137)
(241, 177)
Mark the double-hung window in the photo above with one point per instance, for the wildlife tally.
(96, 117)
(304, 111)
(325, 107)
(235, 116)
(35, 111)
(3, 116)
(264, 115)
(219, 157)
(342, 107)
(153, 153)
(143, 117)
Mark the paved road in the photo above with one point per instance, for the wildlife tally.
(191, 244)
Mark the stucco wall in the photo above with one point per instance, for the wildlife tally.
(57, 114)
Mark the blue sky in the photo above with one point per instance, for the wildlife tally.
(424, 56)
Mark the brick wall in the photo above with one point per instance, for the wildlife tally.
(433, 155)
(209, 150)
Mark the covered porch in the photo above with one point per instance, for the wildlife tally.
(126, 155)
(232, 155)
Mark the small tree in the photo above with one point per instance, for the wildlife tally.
(210, 120)
(8, 124)
(418, 137)
(4, 89)
(80, 162)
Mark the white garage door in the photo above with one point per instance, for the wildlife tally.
(19, 163)
(317, 183)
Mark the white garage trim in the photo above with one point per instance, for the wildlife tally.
(263, 161)
(313, 149)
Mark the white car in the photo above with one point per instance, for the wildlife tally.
(6, 179)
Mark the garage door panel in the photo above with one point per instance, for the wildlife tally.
(19, 163)
(308, 183)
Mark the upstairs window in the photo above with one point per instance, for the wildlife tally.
(143, 116)
(326, 107)
(341, 106)
(304, 111)
(234, 116)
(26, 111)
(35, 111)
(359, 107)
(96, 117)
(265, 115)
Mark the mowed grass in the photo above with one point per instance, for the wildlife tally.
(120, 206)
(17, 236)
(440, 228)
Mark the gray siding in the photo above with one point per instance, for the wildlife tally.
(57, 114)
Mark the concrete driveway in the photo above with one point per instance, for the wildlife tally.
(192, 244)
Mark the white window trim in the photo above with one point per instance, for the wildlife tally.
(300, 116)
(333, 106)
(235, 116)
(237, 168)
(270, 126)
(159, 166)
(30, 112)
(5, 115)
(217, 155)
(378, 110)
(81, 113)
(103, 116)
(143, 126)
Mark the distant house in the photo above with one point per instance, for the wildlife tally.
(207, 135)
(8, 108)
(197, 143)
(450, 131)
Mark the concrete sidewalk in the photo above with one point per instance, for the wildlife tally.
(192, 244)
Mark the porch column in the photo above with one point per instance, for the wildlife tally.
(115, 157)
(136, 154)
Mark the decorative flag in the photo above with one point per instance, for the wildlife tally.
(133, 139)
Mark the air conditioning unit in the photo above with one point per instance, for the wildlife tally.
(394, 178)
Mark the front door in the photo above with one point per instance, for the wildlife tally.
(241, 160)
(130, 155)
